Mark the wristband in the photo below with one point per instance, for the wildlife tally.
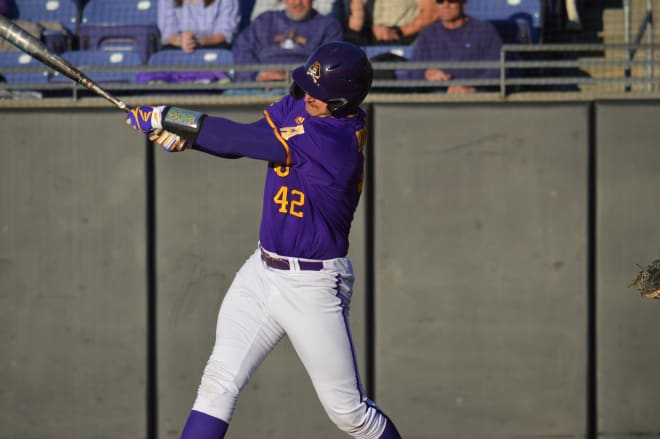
(183, 122)
(397, 30)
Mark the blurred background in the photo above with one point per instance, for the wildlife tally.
(498, 230)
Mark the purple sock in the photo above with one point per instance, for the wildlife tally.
(202, 426)
(390, 431)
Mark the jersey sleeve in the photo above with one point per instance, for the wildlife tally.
(228, 139)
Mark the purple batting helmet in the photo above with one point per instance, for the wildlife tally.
(337, 73)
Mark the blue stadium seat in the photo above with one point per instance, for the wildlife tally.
(120, 25)
(400, 50)
(222, 58)
(198, 57)
(518, 21)
(88, 60)
(20, 59)
(388, 53)
(125, 12)
(64, 12)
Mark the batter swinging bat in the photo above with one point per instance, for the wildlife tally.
(30, 45)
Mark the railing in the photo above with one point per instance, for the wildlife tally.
(521, 68)
(645, 26)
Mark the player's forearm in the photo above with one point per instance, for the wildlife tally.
(225, 138)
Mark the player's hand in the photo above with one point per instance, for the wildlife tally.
(145, 119)
(170, 142)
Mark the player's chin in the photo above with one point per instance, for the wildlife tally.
(312, 109)
(315, 110)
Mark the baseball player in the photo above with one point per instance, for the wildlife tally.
(298, 282)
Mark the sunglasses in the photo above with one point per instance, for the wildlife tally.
(450, 1)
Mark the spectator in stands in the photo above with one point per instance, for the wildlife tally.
(456, 37)
(356, 18)
(283, 37)
(192, 24)
(324, 7)
(566, 13)
(400, 21)
(573, 21)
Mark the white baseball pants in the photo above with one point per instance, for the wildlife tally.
(311, 308)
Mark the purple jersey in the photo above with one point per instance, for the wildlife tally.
(309, 201)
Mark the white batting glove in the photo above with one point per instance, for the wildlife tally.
(170, 142)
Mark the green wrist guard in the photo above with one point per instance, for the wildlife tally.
(186, 123)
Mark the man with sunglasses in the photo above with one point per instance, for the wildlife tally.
(456, 37)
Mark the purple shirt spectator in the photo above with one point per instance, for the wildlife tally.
(476, 40)
(4, 7)
(221, 16)
(274, 38)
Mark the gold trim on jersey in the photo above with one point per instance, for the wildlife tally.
(282, 171)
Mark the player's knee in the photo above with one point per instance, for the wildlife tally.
(358, 422)
(217, 393)
(218, 380)
(349, 423)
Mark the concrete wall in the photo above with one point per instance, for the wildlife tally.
(628, 208)
(481, 269)
(72, 276)
(501, 238)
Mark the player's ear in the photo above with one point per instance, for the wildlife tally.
(296, 91)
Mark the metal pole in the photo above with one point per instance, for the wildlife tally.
(502, 72)
(626, 27)
(649, 40)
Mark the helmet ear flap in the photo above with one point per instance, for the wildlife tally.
(337, 107)
(296, 91)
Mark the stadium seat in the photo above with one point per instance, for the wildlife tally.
(58, 17)
(64, 12)
(20, 59)
(222, 58)
(88, 60)
(399, 50)
(120, 25)
(518, 21)
(198, 57)
(388, 53)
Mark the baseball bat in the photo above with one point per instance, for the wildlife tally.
(35, 48)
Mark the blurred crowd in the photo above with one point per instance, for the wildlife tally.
(287, 31)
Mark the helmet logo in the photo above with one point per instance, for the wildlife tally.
(315, 71)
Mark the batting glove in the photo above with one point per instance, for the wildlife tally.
(145, 119)
(170, 142)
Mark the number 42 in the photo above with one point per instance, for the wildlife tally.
(292, 200)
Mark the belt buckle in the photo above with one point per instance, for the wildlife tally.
(275, 262)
